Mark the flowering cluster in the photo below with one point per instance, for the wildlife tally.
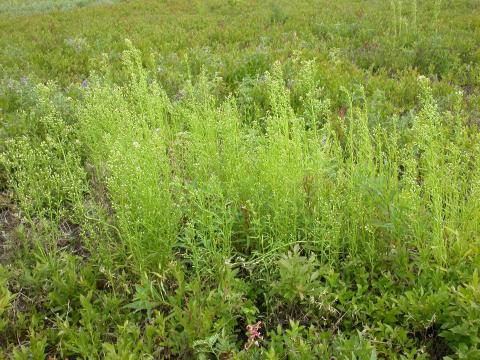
(254, 335)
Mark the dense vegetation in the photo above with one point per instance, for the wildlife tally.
(240, 179)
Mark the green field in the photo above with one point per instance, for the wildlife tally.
(239, 179)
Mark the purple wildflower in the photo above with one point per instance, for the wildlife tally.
(254, 335)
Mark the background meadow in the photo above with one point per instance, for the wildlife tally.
(240, 179)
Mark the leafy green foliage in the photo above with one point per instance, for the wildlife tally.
(462, 329)
(298, 276)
